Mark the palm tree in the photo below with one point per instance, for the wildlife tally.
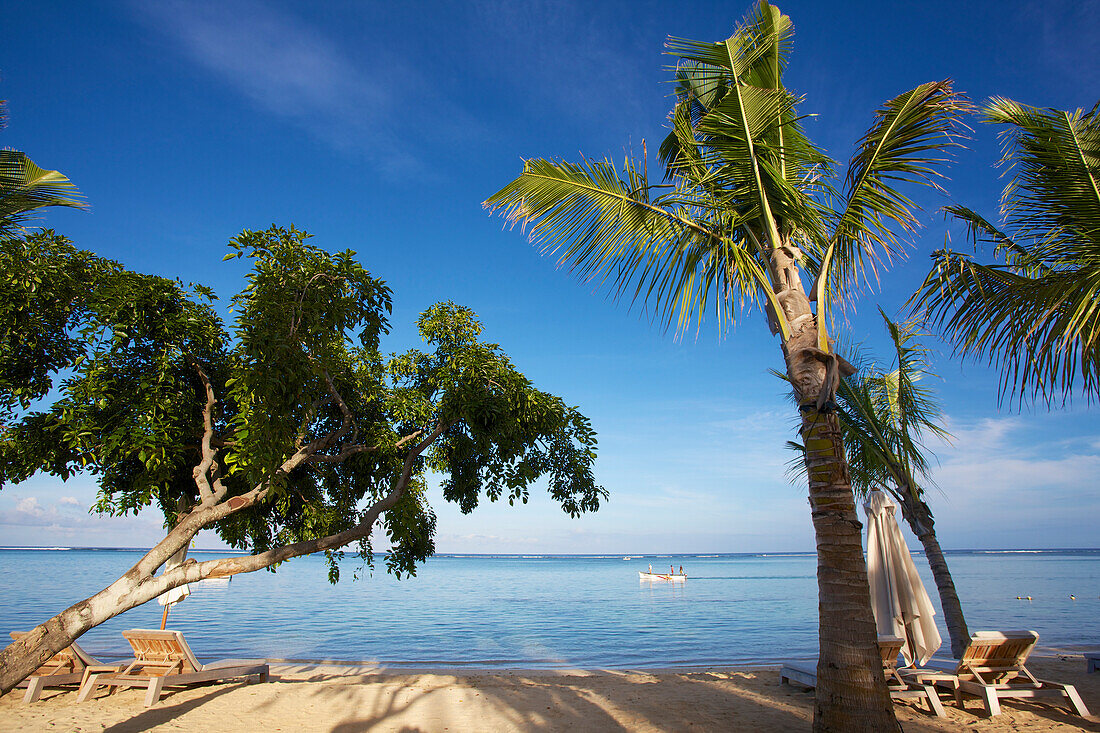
(1035, 311)
(25, 188)
(883, 417)
(749, 204)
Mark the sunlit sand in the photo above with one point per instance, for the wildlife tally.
(343, 699)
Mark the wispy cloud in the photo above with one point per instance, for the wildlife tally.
(1030, 482)
(289, 68)
(33, 517)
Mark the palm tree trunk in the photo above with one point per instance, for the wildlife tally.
(920, 521)
(949, 599)
(851, 693)
(851, 687)
(919, 517)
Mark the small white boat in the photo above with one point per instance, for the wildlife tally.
(660, 576)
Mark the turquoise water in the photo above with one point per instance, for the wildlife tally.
(540, 611)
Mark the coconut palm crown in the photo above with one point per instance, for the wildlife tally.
(747, 205)
(1034, 311)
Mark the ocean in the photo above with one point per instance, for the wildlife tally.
(540, 611)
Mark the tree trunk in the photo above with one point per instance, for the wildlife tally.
(851, 694)
(851, 687)
(138, 585)
(949, 599)
(919, 517)
(21, 658)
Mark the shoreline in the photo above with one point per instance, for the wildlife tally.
(349, 698)
(368, 666)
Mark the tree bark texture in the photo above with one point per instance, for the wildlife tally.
(851, 694)
(919, 517)
(949, 599)
(139, 584)
(851, 687)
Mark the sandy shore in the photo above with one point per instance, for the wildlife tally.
(340, 699)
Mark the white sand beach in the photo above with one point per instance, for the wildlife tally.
(343, 699)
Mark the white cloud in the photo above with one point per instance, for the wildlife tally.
(69, 501)
(29, 505)
(1016, 481)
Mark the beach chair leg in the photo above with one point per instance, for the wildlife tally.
(934, 701)
(1075, 701)
(34, 689)
(87, 689)
(992, 704)
(953, 687)
(156, 684)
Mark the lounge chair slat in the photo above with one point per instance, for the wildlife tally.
(993, 667)
(163, 659)
(66, 667)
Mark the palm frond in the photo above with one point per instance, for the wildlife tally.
(916, 407)
(907, 144)
(982, 232)
(1054, 195)
(735, 120)
(670, 251)
(1042, 333)
(1034, 312)
(887, 413)
(25, 188)
(744, 182)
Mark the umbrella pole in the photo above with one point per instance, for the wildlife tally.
(164, 617)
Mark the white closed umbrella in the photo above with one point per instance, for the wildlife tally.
(172, 597)
(900, 602)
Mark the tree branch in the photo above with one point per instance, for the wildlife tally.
(224, 567)
(207, 494)
(345, 453)
(297, 317)
(350, 450)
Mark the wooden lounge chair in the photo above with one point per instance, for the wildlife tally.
(163, 659)
(805, 673)
(68, 667)
(993, 667)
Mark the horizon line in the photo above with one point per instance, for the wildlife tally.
(534, 554)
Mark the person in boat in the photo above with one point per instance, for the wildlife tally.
(671, 571)
(651, 568)
(681, 570)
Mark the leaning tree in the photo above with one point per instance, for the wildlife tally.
(288, 433)
(749, 206)
(885, 416)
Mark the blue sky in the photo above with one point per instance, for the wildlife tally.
(381, 127)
